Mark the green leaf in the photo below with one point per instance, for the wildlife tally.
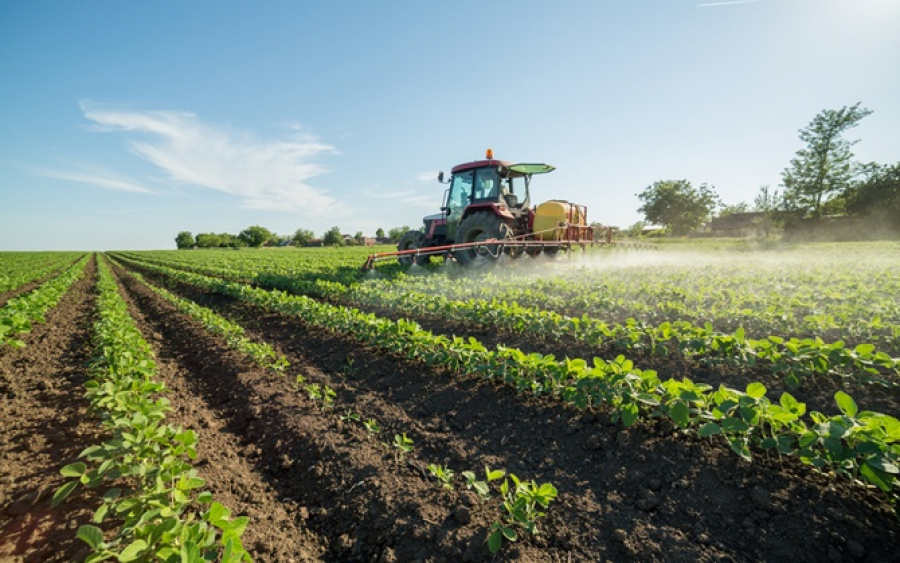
(734, 425)
(879, 478)
(100, 514)
(62, 493)
(133, 551)
(833, 445)
(91, 535)
(76, 469)
(756, 390)
(190, 553)
(846, 404)
(495, 540)
(680, 414)
(740, 448)
(629, 414)
(709, 429)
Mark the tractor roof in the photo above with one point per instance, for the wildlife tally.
(479, 164)
(523, 168)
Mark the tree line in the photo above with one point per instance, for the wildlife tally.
(821, 180)
(257, 236)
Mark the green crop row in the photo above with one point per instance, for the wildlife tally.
(20, 313)
(818, 299)
(152, 494)
(19, 268)
(863, 445)
(854, 301)
(260, 352)
(793, 359)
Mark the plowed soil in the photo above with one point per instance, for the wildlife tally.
(331, 492)
(44, 426)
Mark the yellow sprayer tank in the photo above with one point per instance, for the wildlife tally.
(550, 214)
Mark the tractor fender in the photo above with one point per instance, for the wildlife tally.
(496, 209)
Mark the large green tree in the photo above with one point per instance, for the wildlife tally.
(333, 237)
(395, 234)
(255, 236)
(677, 205)
(825, 165)
(877, 193)
(184, 240)
(303, 236)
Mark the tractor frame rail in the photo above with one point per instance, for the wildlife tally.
(496, 246)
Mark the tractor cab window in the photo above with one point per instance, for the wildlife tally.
(514, 185)
(487, 184)
(460, 190)
(514, 189)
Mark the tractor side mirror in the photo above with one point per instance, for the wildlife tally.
(441, 176)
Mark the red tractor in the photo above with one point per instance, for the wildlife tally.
(487, 211)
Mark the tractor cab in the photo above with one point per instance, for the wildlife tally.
(489, 185)
(487, 200)
(487, 212)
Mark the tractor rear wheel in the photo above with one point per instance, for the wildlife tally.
(412, 240)
(480, 227)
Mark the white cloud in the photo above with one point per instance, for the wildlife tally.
(267, 174)
(727, 3)
(98, 178)
(395, 194)
(427, 177)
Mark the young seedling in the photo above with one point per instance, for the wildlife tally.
(279, 365)
(403, 445)
(298, 382)
(443, 474)
(328, 395)
(349, 368)
(350, 416)
(314, 391)
(372, 427)
(481, 487)
(522, 503)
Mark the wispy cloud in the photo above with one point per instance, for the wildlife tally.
(426, 176)
(98, 178)
(727, 3)
(394, 194)
(267, 174)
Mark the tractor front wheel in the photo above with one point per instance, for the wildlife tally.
(480, 227)
(412, 240)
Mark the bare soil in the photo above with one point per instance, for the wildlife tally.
(645, 493)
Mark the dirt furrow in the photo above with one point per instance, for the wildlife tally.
(643, 493)
(44, 422)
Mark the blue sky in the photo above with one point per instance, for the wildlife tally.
(123, 123)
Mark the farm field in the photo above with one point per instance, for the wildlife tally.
(696, 403)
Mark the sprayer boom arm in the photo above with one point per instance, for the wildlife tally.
(497, 246)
